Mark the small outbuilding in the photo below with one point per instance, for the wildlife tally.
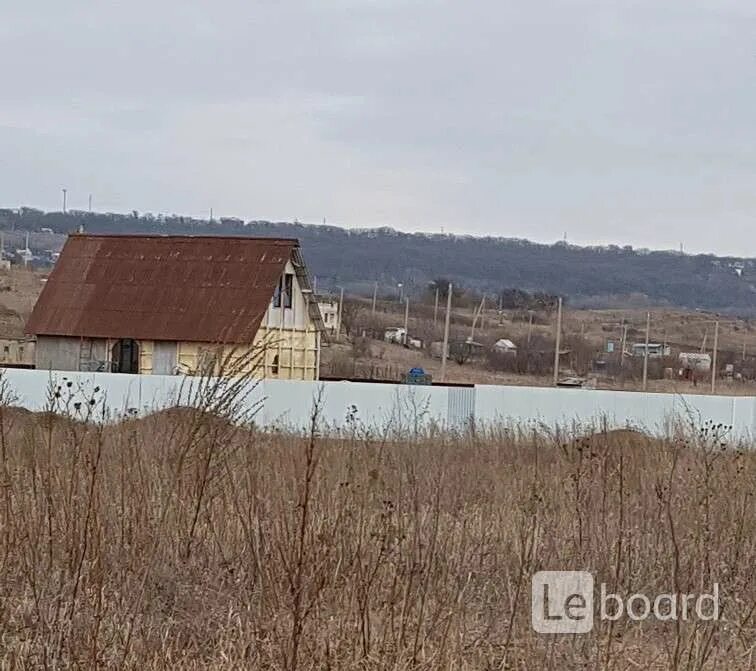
(329, 311)
(155, 304)
(505, 346)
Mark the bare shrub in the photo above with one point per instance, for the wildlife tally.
(190, 540)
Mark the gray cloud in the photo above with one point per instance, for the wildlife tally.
(613, 123)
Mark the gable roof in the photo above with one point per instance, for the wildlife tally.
(505, 342)
(152, 287)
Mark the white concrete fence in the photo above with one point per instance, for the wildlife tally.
(405, 408)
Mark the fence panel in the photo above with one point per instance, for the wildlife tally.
(403, 408)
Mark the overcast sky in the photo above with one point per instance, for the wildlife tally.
(613, 121)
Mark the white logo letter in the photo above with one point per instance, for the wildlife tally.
(714, 599)
(617, 614)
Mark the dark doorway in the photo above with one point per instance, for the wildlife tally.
(126, 356)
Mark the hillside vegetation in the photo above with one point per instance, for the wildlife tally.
(589, 276)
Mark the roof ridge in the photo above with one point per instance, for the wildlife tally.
(178, 236)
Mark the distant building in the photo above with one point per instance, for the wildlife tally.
(697, 362)
(329, 310)
(395, 334)
(505, 346)
(655, 350)
(155, 304)
(414, 343)
(17, 352)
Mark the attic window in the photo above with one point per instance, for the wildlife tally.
(284, 289)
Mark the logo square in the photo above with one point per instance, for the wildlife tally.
(562, 602)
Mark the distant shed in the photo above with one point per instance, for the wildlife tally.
(505, 346)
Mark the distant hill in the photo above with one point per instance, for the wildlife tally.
(593, 276)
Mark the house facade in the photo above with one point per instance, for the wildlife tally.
(166, 305)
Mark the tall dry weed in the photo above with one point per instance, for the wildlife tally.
(191, 540)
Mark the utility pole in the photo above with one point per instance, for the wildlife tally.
(623, 345)
(90, 202)
(558, 341)
(435, 309)
(406, 320)
(401, 292)
(645, 352)
(530, 325)
(65, 191)
(476, 314)
(445, 348)
(341, 308)
(714, 357)
(375, 297)
(315, 284)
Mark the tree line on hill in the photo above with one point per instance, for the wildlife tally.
(356, 259)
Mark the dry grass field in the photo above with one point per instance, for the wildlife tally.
(187, 540)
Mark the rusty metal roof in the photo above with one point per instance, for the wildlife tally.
(152, 287)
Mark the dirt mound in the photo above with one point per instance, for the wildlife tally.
(617, 438)
(174, 420)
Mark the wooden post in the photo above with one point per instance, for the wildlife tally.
(317, 355)
(445, 346)
(375, 296)
(435, 309)
(293, 336)
(281, 328)
(558, 341)
(645, 353)
(714, 358)
(623, 345)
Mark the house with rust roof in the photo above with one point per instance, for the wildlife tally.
(164, 305)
